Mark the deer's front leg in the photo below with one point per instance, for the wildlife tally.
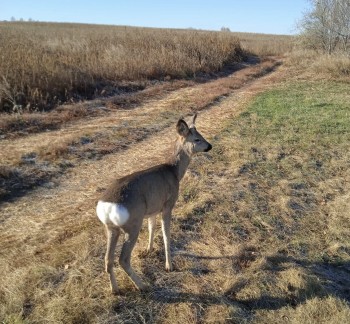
(166, 219)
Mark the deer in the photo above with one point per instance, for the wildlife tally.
(142, 195)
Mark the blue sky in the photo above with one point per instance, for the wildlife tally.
(261, 16)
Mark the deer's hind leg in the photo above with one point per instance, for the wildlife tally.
(151, 230)
(125, 257)
(112, 239)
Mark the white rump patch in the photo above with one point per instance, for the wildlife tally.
(110, 212)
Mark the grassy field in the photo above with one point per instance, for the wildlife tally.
(291, 172)
(46, 64)
(273, 238)
(31, 156)
(266, 44)
(57, 63)
(261, 230)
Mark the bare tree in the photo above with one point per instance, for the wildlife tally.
(344, 24)
(327, 25)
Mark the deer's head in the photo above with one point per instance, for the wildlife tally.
(192, 141)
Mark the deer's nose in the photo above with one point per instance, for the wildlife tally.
(208, 148)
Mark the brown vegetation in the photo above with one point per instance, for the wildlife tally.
(266, 44)
(320, 66)
(47, 64)
(20, 124)
(84, 140)
(260, 232)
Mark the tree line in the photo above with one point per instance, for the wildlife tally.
(326, 26)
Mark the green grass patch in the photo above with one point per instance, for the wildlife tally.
(301, 114)
(294, 146)
(282, 197)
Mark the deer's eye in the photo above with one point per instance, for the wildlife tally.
(197, 140)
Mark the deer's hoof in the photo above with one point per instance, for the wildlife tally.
(169, 268)
(115, 291)
(145, 287)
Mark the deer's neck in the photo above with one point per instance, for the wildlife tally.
(181, 161)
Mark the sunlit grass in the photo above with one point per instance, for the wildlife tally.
(44, 64)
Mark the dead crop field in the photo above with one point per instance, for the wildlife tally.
(45, 64)
(260, 233)
(266, 44)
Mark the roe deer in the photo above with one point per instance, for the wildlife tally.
(143, 194)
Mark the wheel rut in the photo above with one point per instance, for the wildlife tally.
(26, 222)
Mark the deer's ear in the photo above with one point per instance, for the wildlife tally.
(193, 121)
(182, 128)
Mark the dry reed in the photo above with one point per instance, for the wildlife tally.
(44, 64)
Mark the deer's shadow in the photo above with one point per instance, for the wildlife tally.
(333, 279)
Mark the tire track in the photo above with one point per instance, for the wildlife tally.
(25, 223)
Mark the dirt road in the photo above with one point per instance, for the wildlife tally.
(29, 223)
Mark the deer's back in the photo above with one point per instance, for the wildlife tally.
(146, 191)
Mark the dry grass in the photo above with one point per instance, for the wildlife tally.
(334, 66)
(338, 66)
(59, 62)
(260, 231)
(90, 140)
(297, 164)
(317, 310)
(21, 124)
(13, 125)
(266, 44)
